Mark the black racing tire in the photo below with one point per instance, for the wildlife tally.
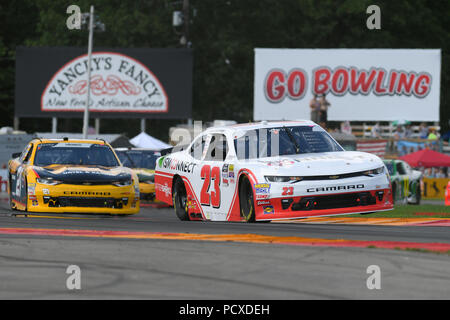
(246, 200)
(418, 195)
(26, 195)
(394, 192)
(10, 196)
(179, 197)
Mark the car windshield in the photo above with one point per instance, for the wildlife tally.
(138, 158)
(278, 141)
(75, 154)
(390, 167)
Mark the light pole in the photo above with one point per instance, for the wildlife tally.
(86, 108)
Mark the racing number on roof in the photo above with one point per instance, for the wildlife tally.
(213, 197)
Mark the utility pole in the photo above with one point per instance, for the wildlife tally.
(186, 34)
(86, 108)
(186, 22)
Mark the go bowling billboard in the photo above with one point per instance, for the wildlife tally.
(360, 84)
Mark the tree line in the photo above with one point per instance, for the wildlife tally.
(223, 34)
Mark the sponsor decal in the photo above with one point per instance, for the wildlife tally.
(87, 193)
(136, 191)
(175, 164)
(232, 181)
(278, 163)
(34, 203)
(160, 161)
(336, 188)
(262, 188)
(192, 204)
(119, 83)
(45, 191)
(268, 210)
(225, 181)
(262, 202)
(31, 188)
(82, 172)
(225, 168)
(163, 188)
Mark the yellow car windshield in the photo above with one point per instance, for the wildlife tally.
(75, 154)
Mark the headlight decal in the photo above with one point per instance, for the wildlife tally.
(48, 181)
(290, 179)
(123, 183)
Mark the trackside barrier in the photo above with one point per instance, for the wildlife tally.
(434, 188)
(3, 180)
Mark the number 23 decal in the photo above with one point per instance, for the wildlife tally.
(212, 198)
(288, 191)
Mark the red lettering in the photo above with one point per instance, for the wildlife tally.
(275, 86)
(359, 83)
(405, 82)
(422, 86)
(339, 83)
(392, 81)
(296, 84)
(379, 89)
(321, 78)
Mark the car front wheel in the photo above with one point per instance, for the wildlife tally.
(246, 201)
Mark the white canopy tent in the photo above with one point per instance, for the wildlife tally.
(143, 140)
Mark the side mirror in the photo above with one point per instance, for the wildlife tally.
(16, 154)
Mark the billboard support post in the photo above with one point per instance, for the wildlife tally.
(143, 125)
(16, 123)
(97, 125)
(54, 124)
(86, 108)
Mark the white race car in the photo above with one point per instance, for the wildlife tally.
(270, 171)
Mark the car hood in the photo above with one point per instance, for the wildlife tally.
(144, 175)
(327, 163)
(84, 174)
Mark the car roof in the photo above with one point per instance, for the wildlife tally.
(63, 140)
(261, 124)
(136, 149)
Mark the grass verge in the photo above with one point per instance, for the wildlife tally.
(410, 211)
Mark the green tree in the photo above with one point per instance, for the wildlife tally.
(224, 34)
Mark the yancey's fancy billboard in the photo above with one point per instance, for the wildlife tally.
(360, 84)
(124, 82)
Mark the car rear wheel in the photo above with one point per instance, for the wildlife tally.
(418, 195)
(180, 200)
(26, 194)
(246, 201)
(11, 204)
(394, 192)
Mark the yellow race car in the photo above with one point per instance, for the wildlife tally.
(71, 176)
(143, 162)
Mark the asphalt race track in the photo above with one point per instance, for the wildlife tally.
(33, 266)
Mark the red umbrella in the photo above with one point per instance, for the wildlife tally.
(427, 158)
